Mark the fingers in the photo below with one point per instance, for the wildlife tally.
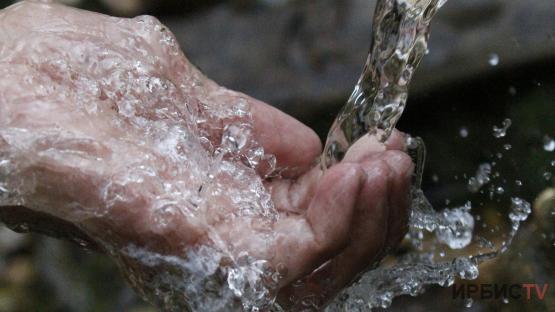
(397, 141)
(366, 242)
(295, 145)
(379, 222)
(369, 146)
(304, 243)
(292, 195)
(399, 195)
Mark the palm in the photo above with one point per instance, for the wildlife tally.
(106, 125)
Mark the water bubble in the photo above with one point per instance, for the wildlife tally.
(547, 175)
(463, 132)
(553, 163)
(520, 209)
(501, 132)
(468, 303)
(548, 143)
(255, 156)
(435, 178)
(499, 190)
(466, 268)
(493, 59)
(518, 183)
(412, 143)
(456, 228)
(234, 137)
(507, 147)
(505, 300)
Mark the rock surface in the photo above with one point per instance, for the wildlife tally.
(301, 55)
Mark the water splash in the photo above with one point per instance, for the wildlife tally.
(399, 41)
(211, 276)
(136, 129)
(400, 34)
(501, 132)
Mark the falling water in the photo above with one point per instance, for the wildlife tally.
(399, 41)
(401, 30)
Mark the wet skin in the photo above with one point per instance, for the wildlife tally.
(332, 225)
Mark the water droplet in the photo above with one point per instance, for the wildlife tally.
(493, 59)
(481, 178)
(507, 147)
(512, 90)
(505, 300)
(518, 182)
(468, 303)
(456, 227)
(501, 132)
(547, 175)
(21, 227)
(235, 137)
(463, 132)
(499, 190)
(466, 268)
(548, 143)
(435, 178)
(520, 209)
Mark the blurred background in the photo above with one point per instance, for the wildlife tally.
(489, 60)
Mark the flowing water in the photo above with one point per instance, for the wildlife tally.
(399, 41)
(401, 29)
(217, 276)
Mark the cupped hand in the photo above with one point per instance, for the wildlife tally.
(104, 125)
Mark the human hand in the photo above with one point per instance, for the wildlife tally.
(105, 125)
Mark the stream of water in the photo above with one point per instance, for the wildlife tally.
(401, 29)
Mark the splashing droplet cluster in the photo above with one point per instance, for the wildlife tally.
(501, 132)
